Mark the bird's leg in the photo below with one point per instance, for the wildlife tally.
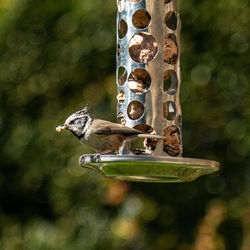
(125, 148)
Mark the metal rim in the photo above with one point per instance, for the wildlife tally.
(149, 158)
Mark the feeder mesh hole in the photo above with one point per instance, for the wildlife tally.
(170, 82)
(122, 75)
(170, 49)
(143, 47)
(141, 19)
(169, 110)
(139, 81)
(171, 20)
(135, 110)
(122, 28)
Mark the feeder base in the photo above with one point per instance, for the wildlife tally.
(143, 168)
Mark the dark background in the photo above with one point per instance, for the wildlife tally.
(58, 56)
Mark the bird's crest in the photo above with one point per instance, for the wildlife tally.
(82, 111)
(77, 114)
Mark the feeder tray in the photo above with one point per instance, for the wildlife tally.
(148, 56)
(143, 168)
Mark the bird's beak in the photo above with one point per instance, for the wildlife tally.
(61, 127)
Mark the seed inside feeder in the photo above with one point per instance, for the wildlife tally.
(139, 81)
(172, 143)
(135, 110)
(170, 49)
(121, 118)
(118, 49)
(121, 96)
(141, 19)
(143, 47)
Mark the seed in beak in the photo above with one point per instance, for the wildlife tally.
(61, 127)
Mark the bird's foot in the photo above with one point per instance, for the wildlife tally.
(89, 158)
(82, 160)
(96, 157)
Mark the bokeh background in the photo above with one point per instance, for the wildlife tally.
(58, 56)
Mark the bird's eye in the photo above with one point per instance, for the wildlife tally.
(73, 122)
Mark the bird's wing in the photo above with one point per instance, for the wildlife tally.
(102, 127)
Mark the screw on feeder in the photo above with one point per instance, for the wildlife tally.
(148, 83)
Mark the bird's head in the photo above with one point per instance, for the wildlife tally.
(77, 123)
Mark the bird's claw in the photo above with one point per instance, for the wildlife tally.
(92, 158)
(95, 158)
(82, 160)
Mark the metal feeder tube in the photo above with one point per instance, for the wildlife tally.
(148, 83)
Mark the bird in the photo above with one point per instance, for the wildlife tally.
(100, 135)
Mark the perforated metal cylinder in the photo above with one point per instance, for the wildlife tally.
(148, 69)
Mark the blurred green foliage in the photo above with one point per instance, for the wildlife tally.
(58, 56)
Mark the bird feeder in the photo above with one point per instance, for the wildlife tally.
(148, 84)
